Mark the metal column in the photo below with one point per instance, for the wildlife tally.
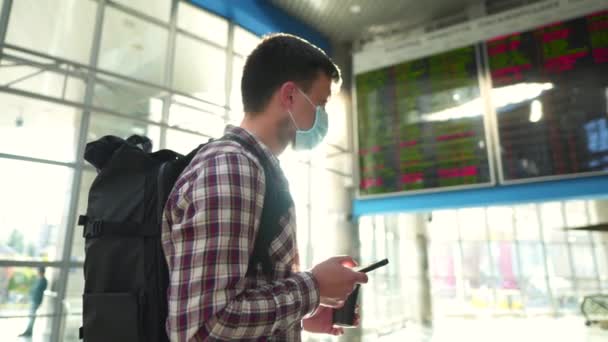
(57, 332)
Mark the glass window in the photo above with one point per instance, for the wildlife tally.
(341, 162)
(324, 233)
(34, 214)
(536, 296)
(445, 296)
(552, 222)
(564, 294)
(73, 305)
(235, 118)
(406, 224)
(587, 287)
(72, 323)
(477, 262)
(601, 250)
(583, 259)
(88, 176)
(592, 212)
(159, 9)
(472, 224)
(508, 296)
(58, 28)
(74, 291)
(578, 236)
(595, 209)
(337, 133)
(598, 237)
(202, 105)
(576, 214)
(298, 176)
(532, 259)
(366, 237)
(379, 240)
(444, 260)
(443, 226)
(129, 98)
(302, 219)
(236, 99)
(317, 157)
(192, 119)
(38, 129)
(23, 296)
(407, 257)
(244, 41)
(334, 200)
(56, 83)
(558, 260)
(526, 222)
(202, 23)
(533, 277)
(500, 223)
(133, 47)
(105, 124)
(200, 70)
(182, 142)
(478, 295)
(323, 238)
(504, 257)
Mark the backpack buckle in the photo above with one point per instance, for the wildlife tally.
(95, 229)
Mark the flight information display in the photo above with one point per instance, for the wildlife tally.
(421, 125)
(550, 91)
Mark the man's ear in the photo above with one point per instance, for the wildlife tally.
(286, 92)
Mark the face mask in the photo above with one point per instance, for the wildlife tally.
(307, 140)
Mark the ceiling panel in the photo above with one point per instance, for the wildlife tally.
(340, 20)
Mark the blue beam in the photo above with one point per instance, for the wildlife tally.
(261, 17)
(592, 187)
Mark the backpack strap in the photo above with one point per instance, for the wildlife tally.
(98, 228)
(276, 204)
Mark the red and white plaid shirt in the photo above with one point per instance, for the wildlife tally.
(209, 227)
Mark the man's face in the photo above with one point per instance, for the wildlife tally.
(303, 110)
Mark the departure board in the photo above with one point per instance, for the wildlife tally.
(421, 125)
(550, 90)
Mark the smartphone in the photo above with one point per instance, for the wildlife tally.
(374, 266)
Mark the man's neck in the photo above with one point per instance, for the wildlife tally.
(265, 130)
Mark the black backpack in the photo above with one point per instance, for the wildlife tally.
(125, 271)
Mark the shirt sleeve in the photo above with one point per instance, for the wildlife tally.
(208, 299)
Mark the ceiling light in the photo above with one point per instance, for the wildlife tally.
(355, 9)
(536, 111)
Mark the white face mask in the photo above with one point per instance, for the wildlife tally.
(308, 139)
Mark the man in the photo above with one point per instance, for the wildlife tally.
(36, 296)
(213, 214)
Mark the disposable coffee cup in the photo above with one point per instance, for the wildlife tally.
(345, 316)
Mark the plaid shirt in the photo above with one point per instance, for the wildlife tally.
(209, 227)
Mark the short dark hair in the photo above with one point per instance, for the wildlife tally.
(41, 269)
(280, 58)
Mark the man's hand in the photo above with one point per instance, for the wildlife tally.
(322, 322)
(332, 303)
(336, 280)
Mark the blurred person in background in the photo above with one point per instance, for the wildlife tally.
(36, 296)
